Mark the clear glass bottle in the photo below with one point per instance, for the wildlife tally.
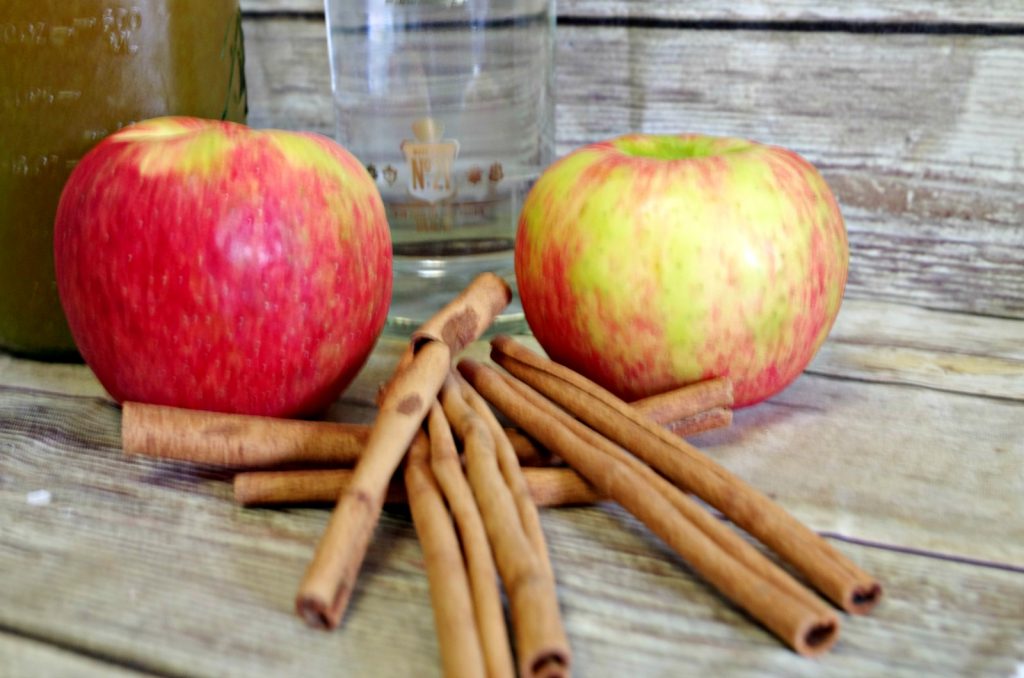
(71, 72)
(449, 105)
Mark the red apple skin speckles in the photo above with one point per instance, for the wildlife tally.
(211, 266)
(649, 262)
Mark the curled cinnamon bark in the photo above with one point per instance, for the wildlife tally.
(454, 620)
(330, 577)
(797, 618)
(247, 441)
(490, 617)
(716, 417)
(548, 487)
(327, 586)
(825, 568)
(236, 440)
(541, 645)
(514, 477)
(461, 321)
(687, 401)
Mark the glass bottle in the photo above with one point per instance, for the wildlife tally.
(449, 105)
(72, 72)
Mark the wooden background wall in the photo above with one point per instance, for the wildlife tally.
(913, 110)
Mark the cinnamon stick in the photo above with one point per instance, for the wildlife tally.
(454, 620)
(249, 441)
(687, 401)
(327, 586)
(241, 441)
(490, 617)
(807, 627)
(541, 644)
(306, 486)
(549, 487)
(824, 567)
(461, 321)
(716, 417)
(725, 537)
(466, 317)
(510, 471)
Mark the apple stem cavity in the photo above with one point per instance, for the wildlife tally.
(678, 147)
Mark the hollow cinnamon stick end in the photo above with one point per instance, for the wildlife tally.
(316, 613)
(551, 663)
(817, 637)
(863, 598)
(500, 344)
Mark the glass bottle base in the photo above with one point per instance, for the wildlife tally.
(423, 286)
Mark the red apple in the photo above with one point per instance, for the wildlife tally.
(649, 262)
(209, 265)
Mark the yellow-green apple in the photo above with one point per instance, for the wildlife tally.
(647, 262)
(209, 265)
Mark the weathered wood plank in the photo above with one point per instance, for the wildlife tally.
(926, 158)
(829, 448)
(66, 378)
(922, 611)
(997, 12)
(881, 342)
(151, 564)
(932, 468)
(896, 465)
(902, 12)
(20, 656)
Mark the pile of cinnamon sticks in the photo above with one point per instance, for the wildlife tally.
(311, 461)
(476, 512)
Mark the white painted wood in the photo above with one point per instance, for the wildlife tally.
(995, 12)
(919, 135)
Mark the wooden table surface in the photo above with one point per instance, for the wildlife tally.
(903, 443)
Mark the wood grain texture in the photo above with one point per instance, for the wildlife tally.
(66, 378)
(964, 449)
(895, 465)
(998, 12)
(994, 12)
(927, 156)
(150, 564)
(20, 656)
(880, 342)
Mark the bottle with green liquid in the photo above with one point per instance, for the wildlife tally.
(72, 72)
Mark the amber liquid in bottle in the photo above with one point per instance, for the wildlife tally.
(72, 72)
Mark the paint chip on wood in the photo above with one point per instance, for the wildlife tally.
(38, 498)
